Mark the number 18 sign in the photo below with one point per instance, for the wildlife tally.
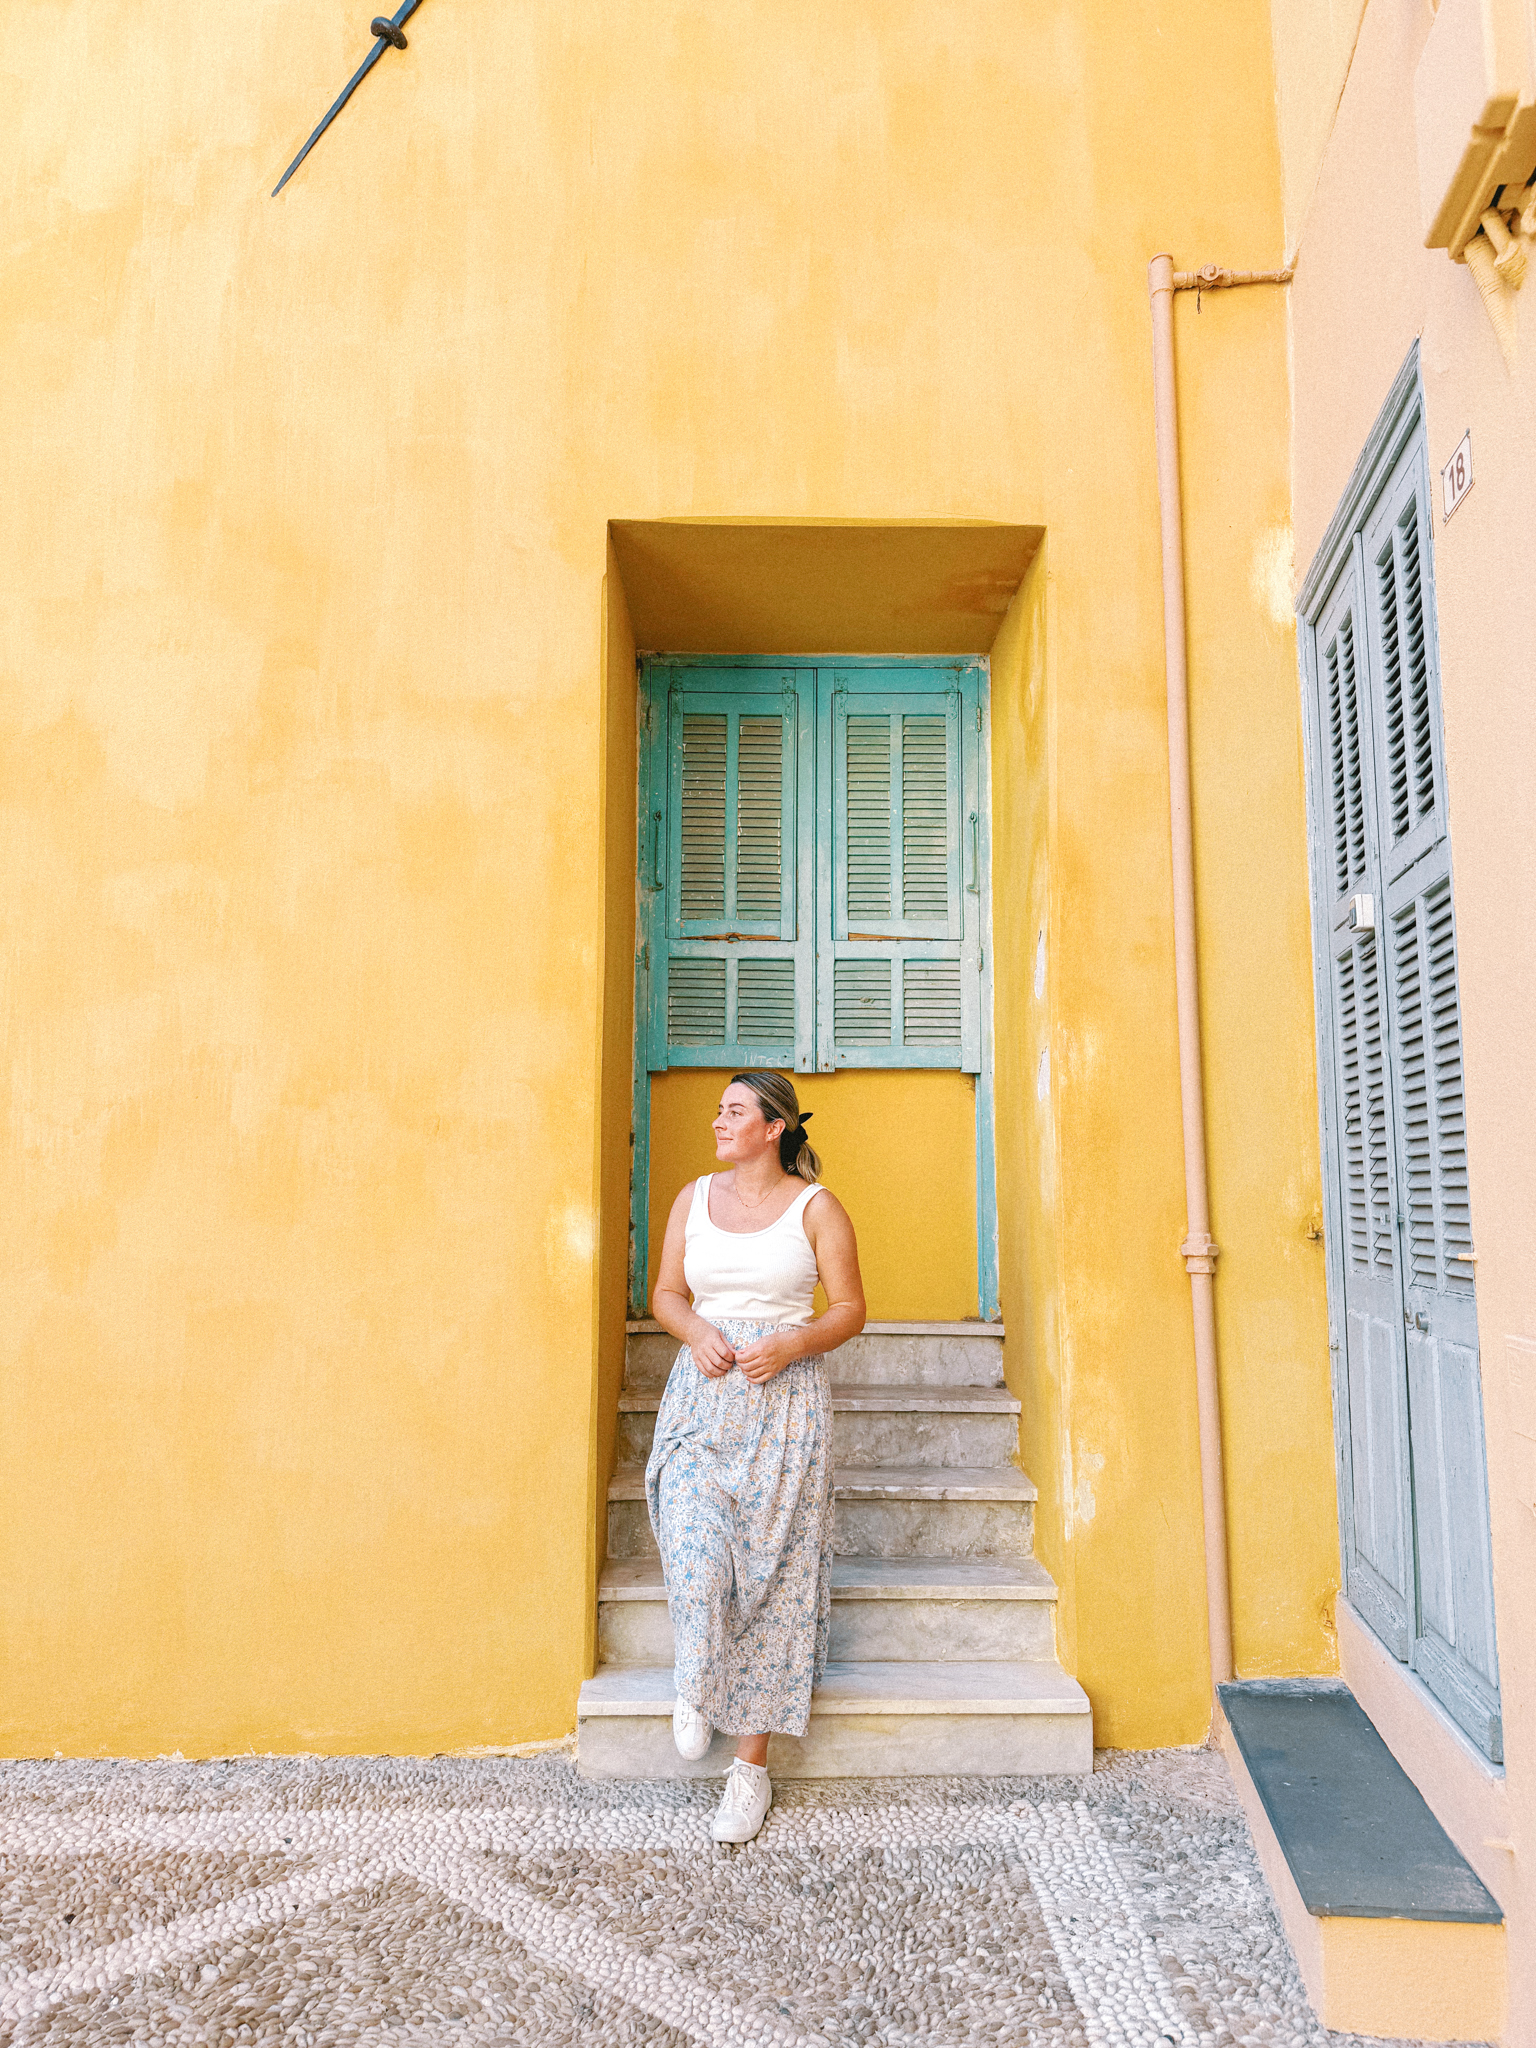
(1456, 477)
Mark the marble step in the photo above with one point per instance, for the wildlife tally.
(884, 1610)
(881, 1511)
(884, 1354)
(875, 1720)
(881, 1425)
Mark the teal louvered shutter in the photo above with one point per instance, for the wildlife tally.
(730, 903)
(1375, 1489)
(1453, 1647)
(899, 875)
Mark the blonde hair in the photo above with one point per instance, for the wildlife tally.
(777, 1099)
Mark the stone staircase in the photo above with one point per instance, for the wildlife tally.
(943, 1658)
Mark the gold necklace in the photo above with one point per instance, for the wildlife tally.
(743, 1200)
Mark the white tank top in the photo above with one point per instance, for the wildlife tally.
(756, 1276)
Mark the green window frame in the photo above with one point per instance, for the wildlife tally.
(813, 889)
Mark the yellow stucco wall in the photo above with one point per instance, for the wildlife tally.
(620, 759)
(1108, 1430)
(1038, 1353)
(1257, 1022)
(310, 772)
(899, 1152)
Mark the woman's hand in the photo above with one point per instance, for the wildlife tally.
(769, 1354)
(672, 1300)
(711, 1354)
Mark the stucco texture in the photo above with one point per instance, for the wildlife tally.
(315, 865)
(898, 1151)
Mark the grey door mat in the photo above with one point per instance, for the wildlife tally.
(1352, 1824)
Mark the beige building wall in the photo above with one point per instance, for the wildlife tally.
(1365, 289)
(1314, 43)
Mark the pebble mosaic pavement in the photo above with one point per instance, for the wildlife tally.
(490, 1902)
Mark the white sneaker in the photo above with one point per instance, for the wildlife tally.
(690, 1731)
(744, 1804)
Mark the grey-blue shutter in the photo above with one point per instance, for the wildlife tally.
(1375, 1496)
(898, 889)
(1453, 1648)
(730, 892)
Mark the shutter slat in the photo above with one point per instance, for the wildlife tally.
(1418, 708)
(925, 852)
(861, 1001)
(869, 817)
(1413, 1090)
(696, 1002)
(765, 1002)
(1363, 1092)
(1427, 1021)
(930, 1002)
(1450, 1139)
(1408, 748)
(1396, 734)
(759, 817)
(1357, 1222)
(1344, 752)
(702, 890)
(1374, 1076)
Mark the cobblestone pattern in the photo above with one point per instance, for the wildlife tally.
(496, 1902)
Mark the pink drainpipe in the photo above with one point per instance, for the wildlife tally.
(1199, 1248)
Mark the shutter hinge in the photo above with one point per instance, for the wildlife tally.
(645, 958)
(978, 718)
(981, 960)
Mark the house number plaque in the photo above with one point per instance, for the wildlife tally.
(1456, 477)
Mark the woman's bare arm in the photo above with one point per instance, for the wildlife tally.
(671, 1302)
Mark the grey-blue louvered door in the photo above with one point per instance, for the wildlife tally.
(1375, 1483)
(1413, 1490)
(1453, 1645)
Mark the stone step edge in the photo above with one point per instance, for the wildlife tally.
(645, 1327)
(892, 1482)
(647, 1691)
(882, 1400)
(959, 1579)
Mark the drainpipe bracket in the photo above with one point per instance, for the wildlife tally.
(1200, 1253)
(1215, 277)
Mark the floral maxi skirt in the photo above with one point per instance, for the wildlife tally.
(739, 1487)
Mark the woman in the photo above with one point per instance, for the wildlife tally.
(739, 1481)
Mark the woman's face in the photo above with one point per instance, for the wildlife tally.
(742, 1132)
